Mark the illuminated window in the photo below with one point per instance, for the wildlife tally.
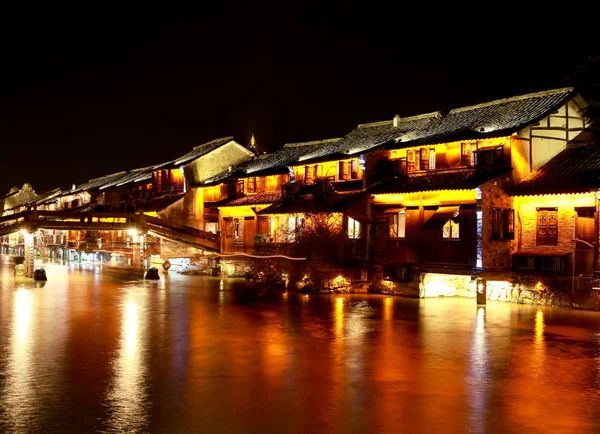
(398, 225)
(450, 230)
(424, 161)
(431, 158)
(547, 226)
(251, 185)
(342, 170)
(467, 156)
(353, 229)
(239, 187)
(503, 224)
(410, 161)
(309, 173)
(354, 169)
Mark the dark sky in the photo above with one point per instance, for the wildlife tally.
(88, 91)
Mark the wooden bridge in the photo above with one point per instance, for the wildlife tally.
(31, 221)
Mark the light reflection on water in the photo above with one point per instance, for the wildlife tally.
(108, 352)
(127, 398)
(20, 388)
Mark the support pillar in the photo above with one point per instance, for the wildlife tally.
(139, 257)
(481, 291)
(479, 220)
(29, 254)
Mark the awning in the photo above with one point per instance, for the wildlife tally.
(441, 216)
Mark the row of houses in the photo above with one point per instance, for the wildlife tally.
(505, 191)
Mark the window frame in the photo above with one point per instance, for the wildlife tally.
(431, 158)
(467, 157)
(353, 229)
(309, 172)
(353, 169)
(452, 224)
(411, 164)
(342, 172)
(424, 159)
(251, 185)
(502, 223)
(395, 223)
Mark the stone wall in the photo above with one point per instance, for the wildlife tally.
(526, 220)
(494, 194)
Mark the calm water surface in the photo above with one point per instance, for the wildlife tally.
(96, 351)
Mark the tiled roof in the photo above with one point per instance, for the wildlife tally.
(43, 198)
(574, 170)
(254, 199)
(201, 150)
(136, 175)
(145, 173)
(495, 118)
(271, 164)
(454, 179)
(368, 136)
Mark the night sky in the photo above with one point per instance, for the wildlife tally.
(87, 92)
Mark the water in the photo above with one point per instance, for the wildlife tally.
(95, 351)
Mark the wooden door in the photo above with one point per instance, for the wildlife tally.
(264, 226)
(249, 233)
(229, 234)
(584, 242)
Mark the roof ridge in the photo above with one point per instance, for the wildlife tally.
(313, 142)
(105, 176)
(213, 141)
(513, 98)
(435, 114)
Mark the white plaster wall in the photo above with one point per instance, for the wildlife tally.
(216, 162)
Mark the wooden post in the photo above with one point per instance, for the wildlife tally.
(29, 254)
(481, 291)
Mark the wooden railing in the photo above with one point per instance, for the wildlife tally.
(101, 221)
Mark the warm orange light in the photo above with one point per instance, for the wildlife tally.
(427, 198)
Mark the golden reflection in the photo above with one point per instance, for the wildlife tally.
(388, 309)
(276, 358)
(22, 315)
(339, 318)
(479, 345)
(477, 387)
(539, 346)
(19, 396)
(127, 397)
(130, 325)
(285, 295)
(539, 328)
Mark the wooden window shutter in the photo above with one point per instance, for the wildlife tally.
(508, 221)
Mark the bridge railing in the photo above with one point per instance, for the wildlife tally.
(187, 230)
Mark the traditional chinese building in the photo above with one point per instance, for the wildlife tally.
(556, 215)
